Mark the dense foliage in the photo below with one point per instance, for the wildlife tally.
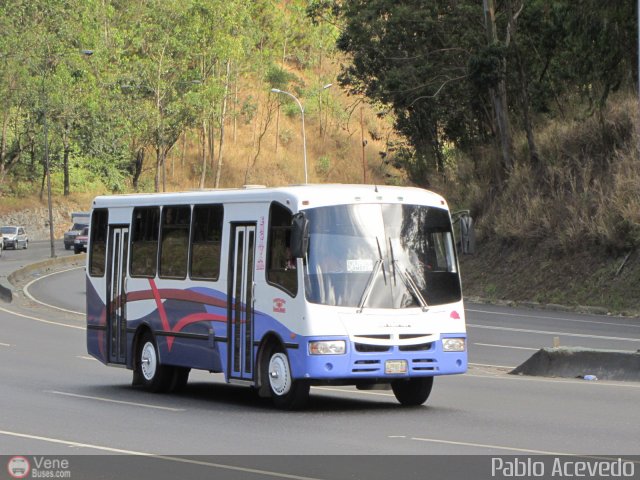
(106, 84)
(468, 73)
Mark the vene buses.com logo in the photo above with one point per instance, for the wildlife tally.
(18, 467)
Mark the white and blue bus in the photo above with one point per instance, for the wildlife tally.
(278, 288)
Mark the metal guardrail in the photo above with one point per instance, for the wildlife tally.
(463, 226)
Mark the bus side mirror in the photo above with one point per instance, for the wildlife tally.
(299, 235)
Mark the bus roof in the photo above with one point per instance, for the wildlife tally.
(297, 197)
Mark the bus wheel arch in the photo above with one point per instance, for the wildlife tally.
(148, 372)
(133, 354)
(276, 380)
(269, 342)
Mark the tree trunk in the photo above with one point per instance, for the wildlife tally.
(3, 145)
(235, 109)
(534, 156)
(222, 119)
(137, 167)
(65, 158)
(156, 180)
(498, 94)
(203, 152)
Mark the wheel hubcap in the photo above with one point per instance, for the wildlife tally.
(279, 374)
(148, 361)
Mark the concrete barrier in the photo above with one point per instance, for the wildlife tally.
(576, 362)
(6, 295)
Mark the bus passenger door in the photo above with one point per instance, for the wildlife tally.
(240, 295)
(116, 295)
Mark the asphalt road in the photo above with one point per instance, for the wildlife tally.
(499, 336)
(56, 400)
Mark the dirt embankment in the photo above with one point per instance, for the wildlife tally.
(580, 278)
(36, 219)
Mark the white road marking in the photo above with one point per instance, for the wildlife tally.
(485, 445)
(505, 346)
(32, 298)
(4, 345)
(41, 320)
(507, 448)
(545, 332)
(489, 365)
(556, 380)
(575, 320)
(84, 357)
(122, 402)
(160, 457)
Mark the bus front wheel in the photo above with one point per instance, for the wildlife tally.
(149, 372)
(412, 391)
(287, 393)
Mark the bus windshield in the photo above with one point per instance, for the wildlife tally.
(381, 256)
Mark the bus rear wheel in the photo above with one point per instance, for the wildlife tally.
(411, 392)
(149, 372)
(287, 393)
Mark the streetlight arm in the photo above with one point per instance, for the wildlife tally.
(304, 137)
(275, 90)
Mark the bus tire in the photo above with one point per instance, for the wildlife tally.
(150, 373)
(412, 392)
(287, 393)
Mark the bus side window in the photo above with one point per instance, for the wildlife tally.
(280, 266)
(144, 241)
(174, 243)
(206, 241)
(98, 243)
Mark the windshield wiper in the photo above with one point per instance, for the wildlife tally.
(410, 283)
(369, 286)
(408, 280)
(376, 268)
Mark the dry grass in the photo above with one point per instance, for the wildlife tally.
(583, 193)
(333, 156)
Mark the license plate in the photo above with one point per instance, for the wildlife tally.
(392, 367)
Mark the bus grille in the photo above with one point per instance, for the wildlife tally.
(361, 366)
(366, 348)
(416, 348)
(424, 365)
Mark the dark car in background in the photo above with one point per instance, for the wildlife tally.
(80, 242)
(14, 237)
(79, 221)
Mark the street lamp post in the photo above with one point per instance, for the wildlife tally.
(304, 136)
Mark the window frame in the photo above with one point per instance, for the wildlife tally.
(132, 242)
(93, 231)
(220, 207)
(164, 228)
(268, 268)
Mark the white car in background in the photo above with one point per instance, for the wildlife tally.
(14, 237)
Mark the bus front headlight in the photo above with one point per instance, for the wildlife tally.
(327, 347)
(453, 344)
